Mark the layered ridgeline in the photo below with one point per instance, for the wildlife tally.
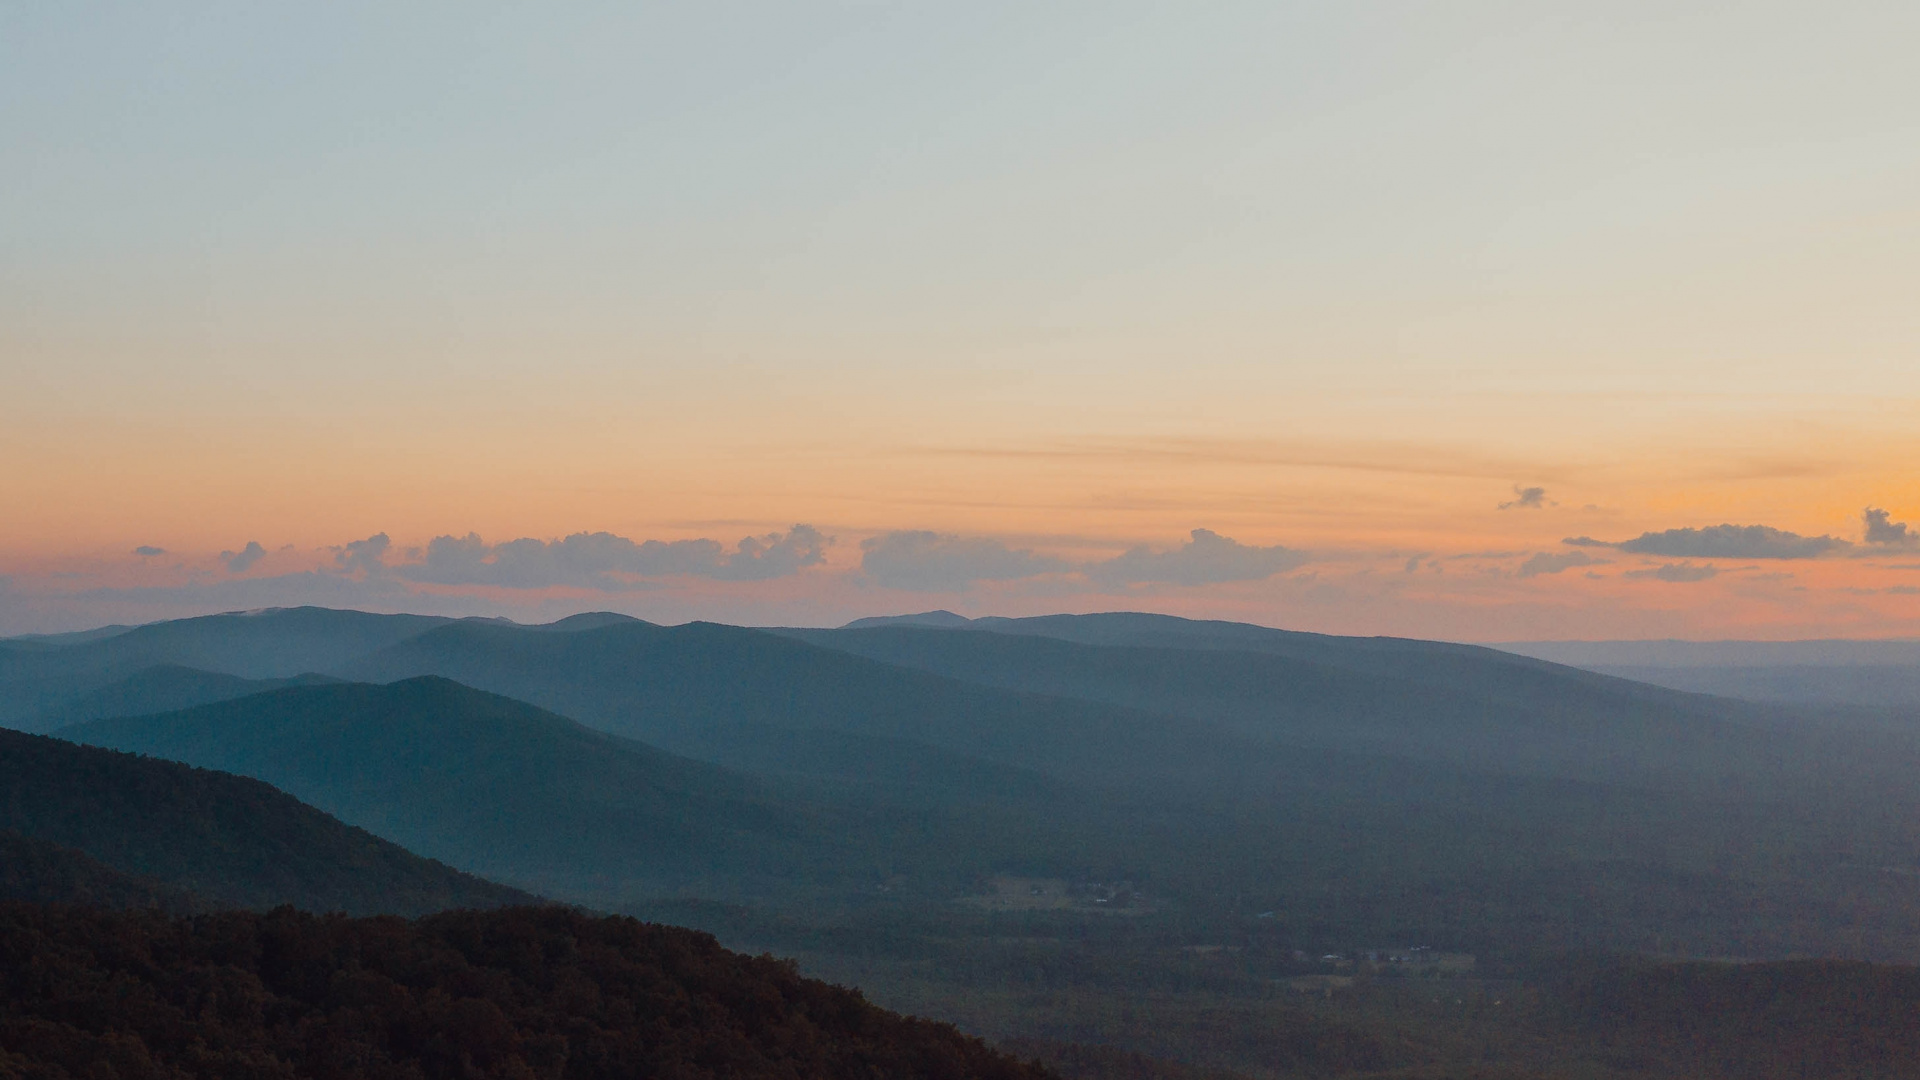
(1473, 797)
(91, 825)
(44, 680)
(517, 993)
(1180, 839)
(163, 688)
(518, 794)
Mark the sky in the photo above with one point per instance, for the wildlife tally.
(1477, 321)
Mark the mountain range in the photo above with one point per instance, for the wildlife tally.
(946, 810)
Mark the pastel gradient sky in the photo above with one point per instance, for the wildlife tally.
(986, 306)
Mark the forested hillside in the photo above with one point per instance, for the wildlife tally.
(515, 993)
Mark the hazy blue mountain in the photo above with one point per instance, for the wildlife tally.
(1871, 686)
(709, 691)
(1480, 709)
(1437, 662)
(508, 790)
(1405, 834)
(72, 637)
(942, 619)
(274, 644)
(1874, 675)
(229, 839)
(160, 689)
(1737, 654)
(587, 620)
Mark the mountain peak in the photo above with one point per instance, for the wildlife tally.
(942, 618)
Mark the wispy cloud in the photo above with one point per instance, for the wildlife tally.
(1526, 498)
(1415, 459)
(1723, 542)
(1680, 572)
(1554, 562)
(147, 551)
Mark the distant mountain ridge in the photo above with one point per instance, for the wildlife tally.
(164, 688)
(1348, 782)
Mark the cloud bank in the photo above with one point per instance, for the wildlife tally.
(605, 561)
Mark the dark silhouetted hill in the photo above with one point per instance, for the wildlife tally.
(228, 839)
(516, 993)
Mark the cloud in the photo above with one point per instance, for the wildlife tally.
(363, 556)
(1723, 542)
(1883, 531)
(1207, 559)
(1547, 562)
(1676, 572)
(774, 555)
(1531, 498)
(603, 560)
(933, 562)
(147, 551)
(239, 562)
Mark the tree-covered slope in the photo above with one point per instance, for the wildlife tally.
(229, 839)
(516, 993)
(41, 872)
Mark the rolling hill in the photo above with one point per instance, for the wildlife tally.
(163, 688)
(518, 794)
(230, 840)
(43, 678)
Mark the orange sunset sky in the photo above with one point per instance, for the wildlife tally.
(1331, 317)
